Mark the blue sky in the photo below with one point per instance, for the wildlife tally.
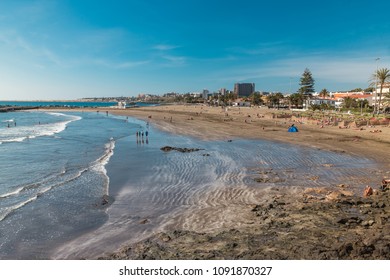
(75, 49)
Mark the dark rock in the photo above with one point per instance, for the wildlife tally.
(365, 250)
(346, 201)
(345, 250)
(144, 221)
(167, 149)
(343, 221)
(261, 180)
(182, 150)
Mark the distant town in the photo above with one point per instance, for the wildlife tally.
(244, 94)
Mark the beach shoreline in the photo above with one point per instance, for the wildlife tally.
(216, 123)
(279, 223)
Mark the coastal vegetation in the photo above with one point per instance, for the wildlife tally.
(380, 78)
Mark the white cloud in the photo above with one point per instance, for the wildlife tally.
(331, 71)
(174, 61)
(117, 65)
(332, 68)
(29, 52)
(264, 48)
(164, 47)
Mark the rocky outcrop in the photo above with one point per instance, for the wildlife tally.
(285, 227)
(182, 150)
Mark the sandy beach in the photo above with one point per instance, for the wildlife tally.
(240, 222)
(261, 123)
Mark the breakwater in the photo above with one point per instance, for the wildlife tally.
(16, 108)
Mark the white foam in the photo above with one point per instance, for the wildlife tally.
(11, 193)
(22, 133)
(9, 210)
(100, 164)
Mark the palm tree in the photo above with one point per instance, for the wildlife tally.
(256, 98)
(381, 76)
(324, 93)
(349, 102)
(274, 99)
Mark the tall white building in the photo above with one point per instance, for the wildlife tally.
(205, 94)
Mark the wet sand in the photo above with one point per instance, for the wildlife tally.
(292, 222)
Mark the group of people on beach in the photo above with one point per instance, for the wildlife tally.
(140, 136)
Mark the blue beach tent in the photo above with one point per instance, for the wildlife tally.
(292, 129)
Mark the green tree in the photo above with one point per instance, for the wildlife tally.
(380, 77)
(256, 98)
(315, 107)
(356, 90)
(306, 83)
(362, 103)
(324, 93)
(325, 106)
(274, 99)
(228, 98)
(224, 99)
(369, 89)
(296, 99)
(349, 103)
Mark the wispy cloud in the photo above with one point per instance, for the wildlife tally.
(46, 57)
(117, 65)
(328, 70)
(20, 44)
(259, 49)
(174, 61)
(100, 39)
(34, 11)
(336, 68)
(164, 47)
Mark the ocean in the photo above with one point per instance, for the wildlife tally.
(78, 184)
(72, 104)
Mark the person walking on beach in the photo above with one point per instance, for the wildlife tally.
(146, 134)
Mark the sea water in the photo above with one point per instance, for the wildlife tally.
(57, 168)
(52, 177)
